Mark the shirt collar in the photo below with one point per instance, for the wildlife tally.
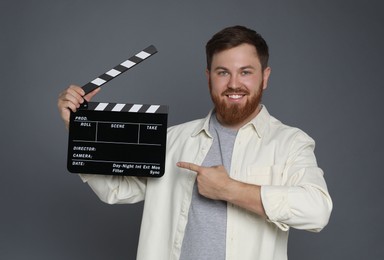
(258, 123)
(203, 126)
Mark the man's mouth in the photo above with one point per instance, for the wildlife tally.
(235, 96)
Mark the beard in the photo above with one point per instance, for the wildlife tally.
(233, 114)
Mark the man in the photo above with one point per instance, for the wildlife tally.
(235, 181)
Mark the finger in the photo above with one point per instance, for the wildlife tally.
(70, 95)
(77, 89)
(76, 92)
(189, 166)
(70, 98)
(68, 105)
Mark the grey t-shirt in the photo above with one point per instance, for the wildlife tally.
(205, 235)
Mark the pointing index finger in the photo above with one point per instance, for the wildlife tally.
(189, 166)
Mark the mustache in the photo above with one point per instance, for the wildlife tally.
(235, 91)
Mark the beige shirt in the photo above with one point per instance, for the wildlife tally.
(266, 152)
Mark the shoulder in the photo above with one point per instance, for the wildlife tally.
(185, 129)
(279, 130)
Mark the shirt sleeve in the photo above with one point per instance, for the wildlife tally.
(302, 200)
(116, 189)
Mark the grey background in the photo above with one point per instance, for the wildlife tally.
(326, 59)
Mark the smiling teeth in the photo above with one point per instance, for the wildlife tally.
(235, 96)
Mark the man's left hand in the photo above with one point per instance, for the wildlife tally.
(212, 182)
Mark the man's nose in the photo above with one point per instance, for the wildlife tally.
(234, 82)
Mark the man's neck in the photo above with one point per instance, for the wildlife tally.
(237, 126)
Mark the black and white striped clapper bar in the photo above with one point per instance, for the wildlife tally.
(118, 139)
(119, 69)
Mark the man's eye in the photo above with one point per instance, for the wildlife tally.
(222, 73)
(246, 72)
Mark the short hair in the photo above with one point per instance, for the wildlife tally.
(234, 36)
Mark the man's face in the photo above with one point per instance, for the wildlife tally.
(236, 82)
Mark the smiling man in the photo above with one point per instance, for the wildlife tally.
(236, 83)
(235, 181)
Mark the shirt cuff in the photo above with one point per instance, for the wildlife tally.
(276, 206)
(85, 177)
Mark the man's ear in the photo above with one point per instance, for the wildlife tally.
(266, 74)
(207, 73)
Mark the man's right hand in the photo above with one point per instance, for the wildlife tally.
(71, 99)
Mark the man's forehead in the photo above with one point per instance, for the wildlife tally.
(241, 47)
(244, 53)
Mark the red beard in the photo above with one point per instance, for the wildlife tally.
(234, 114)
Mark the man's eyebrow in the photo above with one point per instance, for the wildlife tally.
(248, 67)
(220, 68)
(241, 68)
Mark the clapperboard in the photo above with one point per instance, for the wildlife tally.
(118, 139)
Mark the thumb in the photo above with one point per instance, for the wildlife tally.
(91, 94)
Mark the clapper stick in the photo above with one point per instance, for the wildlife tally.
(119, 69)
